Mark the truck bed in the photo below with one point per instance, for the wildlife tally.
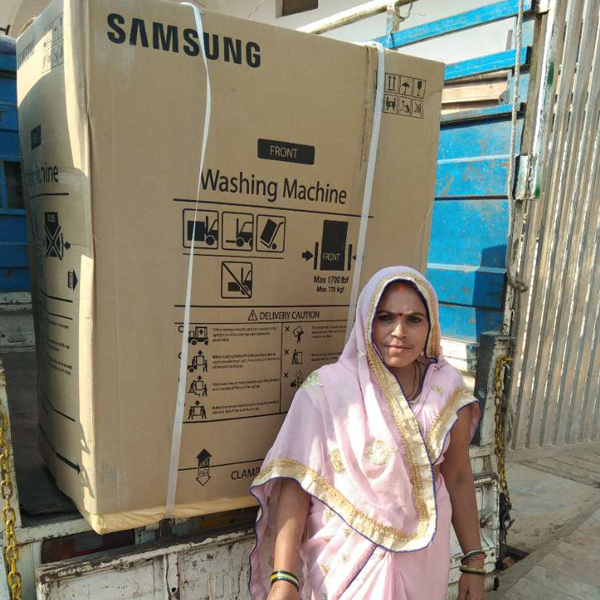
(39, 496)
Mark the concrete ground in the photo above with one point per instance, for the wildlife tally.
(556, 506)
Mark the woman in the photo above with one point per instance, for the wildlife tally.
(372, 465)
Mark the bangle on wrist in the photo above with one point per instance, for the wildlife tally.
(473, 560)
(473, 571)
(467, 555)
(285, 576)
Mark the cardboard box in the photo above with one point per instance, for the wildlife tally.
(111, 107)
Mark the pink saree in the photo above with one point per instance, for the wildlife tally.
(378, 523)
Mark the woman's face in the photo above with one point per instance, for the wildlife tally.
(400, 326)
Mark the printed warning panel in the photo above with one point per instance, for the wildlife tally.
(233, 371)
(253, 368)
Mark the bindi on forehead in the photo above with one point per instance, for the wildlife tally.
(401, 298)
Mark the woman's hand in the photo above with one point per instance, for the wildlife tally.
(282, 590)
(470, 587)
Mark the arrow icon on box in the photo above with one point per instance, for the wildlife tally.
(307, 255)
(72, 279)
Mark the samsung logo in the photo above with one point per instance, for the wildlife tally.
(171, 38)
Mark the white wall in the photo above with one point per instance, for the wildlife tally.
(449, 49)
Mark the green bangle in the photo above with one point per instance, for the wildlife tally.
(285, 576)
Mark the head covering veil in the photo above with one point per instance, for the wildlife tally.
(352, 440)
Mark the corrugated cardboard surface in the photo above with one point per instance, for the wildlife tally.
(111, 107)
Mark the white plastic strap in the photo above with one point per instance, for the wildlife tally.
(178, 420)
(366, 205)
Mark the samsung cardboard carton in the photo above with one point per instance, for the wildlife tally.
(112, 112)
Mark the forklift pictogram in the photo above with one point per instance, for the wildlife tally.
(236, 280)
(238, 231)
(198, 362)
(204, 231)
(197, 335)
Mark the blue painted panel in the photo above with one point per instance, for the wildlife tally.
(14, 280)
(9, 146)
(8, 117)
(14, 269)
(473, 286)
(471, 178)
(485, 64)
(8, 89)
(13, 228)
(13, 255)
(467, 20)
(476, 138)
(8, 62)
(3, 189)
(467, 322)
(469, 232)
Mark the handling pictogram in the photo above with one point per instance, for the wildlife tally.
(297, 381)
(203, 467)
(54, 238)
(197, 411)
(236, 279)
(197, 335)
(298, 333)
(271, 233)
(199, 362)
(335, 254)
(403, 95)
(419, 88)
(198, 387)
(72, 279)
(391, 83)
(238, 231)
(204, 230)
(390, 104)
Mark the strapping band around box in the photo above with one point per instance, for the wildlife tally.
(366, 205)
(178, 420)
